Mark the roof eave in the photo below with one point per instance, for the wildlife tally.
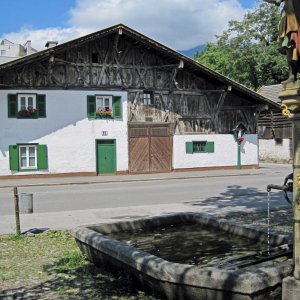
(145, 39)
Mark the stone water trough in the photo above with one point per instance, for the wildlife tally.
(254, 271)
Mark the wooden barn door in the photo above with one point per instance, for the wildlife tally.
(139, 150)
(150, 149)
(160, 149)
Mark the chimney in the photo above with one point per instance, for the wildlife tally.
(27, 47)
(51, 44)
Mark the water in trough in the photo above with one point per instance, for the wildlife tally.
(191, 244)
(191, 256)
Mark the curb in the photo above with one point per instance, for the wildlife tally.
(125, 180)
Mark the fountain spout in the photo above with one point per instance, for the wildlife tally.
(286, 187)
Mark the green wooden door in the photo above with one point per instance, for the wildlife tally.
(106, 156)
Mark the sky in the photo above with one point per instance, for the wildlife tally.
(179, 24)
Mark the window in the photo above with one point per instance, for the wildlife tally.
(26, 106)
(27, 102)
(95, 58)
(27, 157)
(24, 157)
(3, 52)
(101, 106)
(200, 147)
(148, 98)
(104, 106)
(103, 102)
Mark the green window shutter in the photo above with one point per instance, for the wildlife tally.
(117, 107)
(12, 104)
(41, 106)
(210, 147)
(91, 106)
(13, 158)
(42, 157)
(189, 147)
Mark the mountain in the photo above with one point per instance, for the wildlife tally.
(191, 52)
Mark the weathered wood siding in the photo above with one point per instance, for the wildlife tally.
(181, 95)
(274, 125)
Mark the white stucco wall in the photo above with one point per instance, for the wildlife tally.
(275, 151)
(12, 50)
(70, 137)
(225, 153)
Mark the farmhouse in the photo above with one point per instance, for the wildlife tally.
(274, 130)
(117, 101)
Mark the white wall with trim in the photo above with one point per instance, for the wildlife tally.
(225, 151)
(69, 135)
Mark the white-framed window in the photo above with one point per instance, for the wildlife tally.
(29, 106)
(3, 52)
(26, 102)
(103, 103)
(148, 98)
(28, 156)
(104, 106)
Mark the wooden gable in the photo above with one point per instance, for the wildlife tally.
(183, 93)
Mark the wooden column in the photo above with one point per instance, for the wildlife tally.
(17, 210)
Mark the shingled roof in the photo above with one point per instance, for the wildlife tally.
(271, 92)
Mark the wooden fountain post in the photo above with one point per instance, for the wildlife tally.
(290, 97)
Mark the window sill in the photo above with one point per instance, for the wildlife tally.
(104, 118)
(28, 170)
(200, 153)
(27, 117)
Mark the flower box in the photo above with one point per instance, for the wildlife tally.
(104, 114)
(27, 113)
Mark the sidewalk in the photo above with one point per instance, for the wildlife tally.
(264, 168)
(70, 219)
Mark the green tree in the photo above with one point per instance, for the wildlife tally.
(247, 51)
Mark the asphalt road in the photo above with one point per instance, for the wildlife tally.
(194, 191)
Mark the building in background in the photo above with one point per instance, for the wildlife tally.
(10, 51)
(274, 130)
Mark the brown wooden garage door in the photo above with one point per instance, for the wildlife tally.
(150, 149)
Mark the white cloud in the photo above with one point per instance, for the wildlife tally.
(179, 24)
(40, 37)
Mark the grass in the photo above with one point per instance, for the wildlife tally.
(50, 266)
